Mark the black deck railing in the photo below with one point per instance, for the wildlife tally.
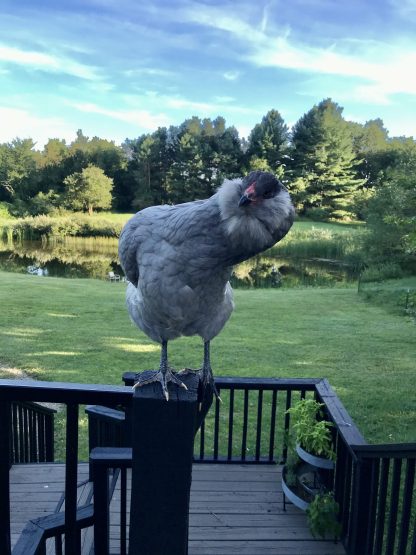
(374, 485)
(71, 396)
(383, 512)
(31, 433)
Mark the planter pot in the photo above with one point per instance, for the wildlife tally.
(318, 462)
(295, 494)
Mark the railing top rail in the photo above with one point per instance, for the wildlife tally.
(386, 450)
(339, 415)
(236, 382)
(37, 407)
(62, 392)
(225, 382)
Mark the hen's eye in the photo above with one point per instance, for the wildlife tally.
(268, 194)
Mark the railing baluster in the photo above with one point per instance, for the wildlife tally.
(259, 423)
(58, 544)
(381, 509)
(245, 422)
(230, 426)
(32, 436)
(375, 471)
(287, 422)
(343, 484)
(202, 441)
(216, 427)
(5, 422)
(26, 458)
(394, 503)
(49, 438)
(101, 512)
(41, 437)
(406, 507)
(15, 433)
(71, 471)
(21, 457)
(272, 425)
(123, 512)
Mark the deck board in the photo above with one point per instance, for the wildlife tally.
(234, 509)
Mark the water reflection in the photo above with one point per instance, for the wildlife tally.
(97, 258)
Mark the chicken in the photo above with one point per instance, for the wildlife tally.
(178, 260)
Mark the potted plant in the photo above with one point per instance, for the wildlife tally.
(322, 515)
(307, 477)
(291, 486)
(312, 434)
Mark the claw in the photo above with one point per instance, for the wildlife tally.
(163, 376)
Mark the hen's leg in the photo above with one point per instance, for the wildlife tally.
(164, 375)
(207, 375)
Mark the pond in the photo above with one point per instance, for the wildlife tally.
(97, 257)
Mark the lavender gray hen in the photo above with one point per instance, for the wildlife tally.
(178, 260)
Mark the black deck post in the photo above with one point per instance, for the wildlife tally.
(162, 441)
(5, 421)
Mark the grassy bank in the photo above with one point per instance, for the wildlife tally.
(67, 225)
(79, 331)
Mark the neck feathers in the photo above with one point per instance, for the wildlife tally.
(255, 227)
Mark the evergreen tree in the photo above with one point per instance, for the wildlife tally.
(204, 154)
(323, 178)
(147, 171)
(268, 144)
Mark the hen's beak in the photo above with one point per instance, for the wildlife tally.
(244, 200)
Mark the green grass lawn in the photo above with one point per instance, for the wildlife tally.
(79, 331)
(333, 227)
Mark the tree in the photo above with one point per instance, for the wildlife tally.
(370, 142)
(391, 216)
(88, 189)
(323, 177)
(268, 143)
(145, 179)
(204, 153)
(18, 161)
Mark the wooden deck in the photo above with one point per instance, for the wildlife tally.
(234, 509)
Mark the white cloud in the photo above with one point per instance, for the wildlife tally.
(142, 118)
(152, 71)
(47, 62)
(231, 75)
(224, 99)
(20, 123)
(405, 8)
(391, 75)
(382, 69)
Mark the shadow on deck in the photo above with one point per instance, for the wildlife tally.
(233, 509)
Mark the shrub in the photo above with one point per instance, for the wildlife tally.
(5, 211)
(76, 225)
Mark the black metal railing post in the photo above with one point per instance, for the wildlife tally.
(5, 423)
(360, 509)
(101, 511)
(163, 444)
(72, 540)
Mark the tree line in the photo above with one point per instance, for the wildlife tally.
(333, 168)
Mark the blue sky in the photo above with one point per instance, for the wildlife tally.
(120, 68)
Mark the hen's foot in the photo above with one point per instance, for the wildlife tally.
(206, 375)
(161, 376)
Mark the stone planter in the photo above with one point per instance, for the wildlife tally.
(318, 462)
(295, 494)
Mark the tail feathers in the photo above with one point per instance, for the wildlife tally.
(127, 250)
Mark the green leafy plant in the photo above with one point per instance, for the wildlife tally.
(312, 432)
(322, 516)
